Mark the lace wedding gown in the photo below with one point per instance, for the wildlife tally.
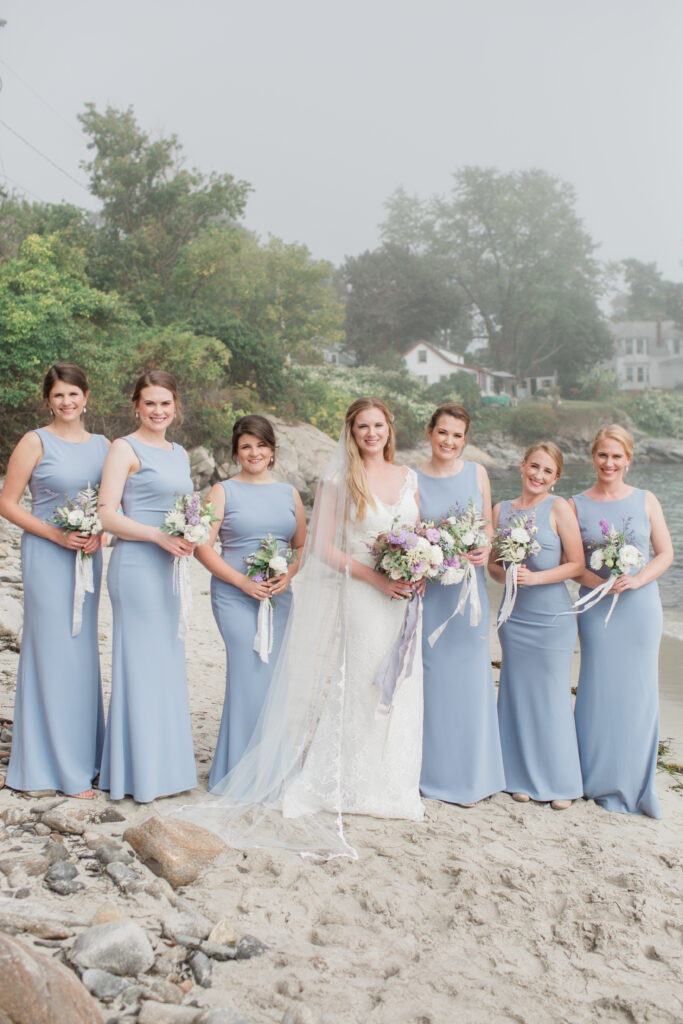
(378, 757)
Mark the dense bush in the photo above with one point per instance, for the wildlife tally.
(533, 421)
(459, 387)
(658, 413)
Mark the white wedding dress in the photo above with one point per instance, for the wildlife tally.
(379, 757)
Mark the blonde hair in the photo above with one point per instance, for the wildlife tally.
(356, 477)
(551, 449)
(615, 432)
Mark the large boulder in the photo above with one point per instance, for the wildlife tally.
(35, 989)
(177, 850)
(118, 947)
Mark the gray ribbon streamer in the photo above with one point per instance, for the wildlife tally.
(263, 641)
(182, 587)
(397, 664)
(83, 583)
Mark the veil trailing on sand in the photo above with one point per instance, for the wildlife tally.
(256, 803)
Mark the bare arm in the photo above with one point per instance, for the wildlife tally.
(496, 570)
(120, 463)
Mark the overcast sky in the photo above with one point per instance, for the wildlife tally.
(326, 108)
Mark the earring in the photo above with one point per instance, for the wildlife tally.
(137, 415)
(85, 409)
(272, 461)
(552, 487)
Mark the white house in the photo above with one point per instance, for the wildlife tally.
(434, 364)
(647, 353)
(527, 387)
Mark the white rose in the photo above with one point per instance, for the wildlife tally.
(278, 564)
(436, 555)
(452, 575)
(468, 539)
(394, 575)
(75, 517)
(520, 554)
(446, 538)
(629, 556)
(596, 560)
(519, 535)
(433, 573)
(195, 534)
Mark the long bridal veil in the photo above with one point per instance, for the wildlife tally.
(257, 803)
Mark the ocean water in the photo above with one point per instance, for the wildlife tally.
(666, 481)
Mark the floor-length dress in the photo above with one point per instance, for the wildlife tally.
(535, 713)
(148, 743)
(461, 756)
(251, 512)
(379, 754)
(617, 705)
(58, 716)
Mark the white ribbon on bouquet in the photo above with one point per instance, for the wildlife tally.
(470, 589)
(263, 641)
(590, 599)
(510, 595)
(182, 587)
(84, 583)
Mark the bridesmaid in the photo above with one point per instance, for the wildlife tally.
(461, 755)
(617, 710)
(148, 743)
(250, 505)
(58, 716)
(535, 713)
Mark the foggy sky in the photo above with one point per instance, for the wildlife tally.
(326, 108)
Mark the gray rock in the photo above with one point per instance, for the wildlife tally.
(164, 991)
(120, 947)
(48, 803)
(37, 919)
(55, 851)
(200, 965)
(63, 888)
(35, 989)
(41, 830)
(160, 1013)
(125, 878)
(11, 618)
(102, 984)
(217, 952)
(71, 821)
(31, 863)
(249, 946)
(133, 993)
(62, 870)
(109, 815)
(186, 921)
(111, 852)
(223, 1016)
(15, 815)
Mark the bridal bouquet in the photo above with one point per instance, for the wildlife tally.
(190, 518)
(79, 515)
(410, 553)
(462, 531)
(514, 543)
(615, 551)
(263, 565)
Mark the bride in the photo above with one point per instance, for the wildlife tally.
(321, 746)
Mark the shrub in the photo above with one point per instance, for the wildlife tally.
(533, 421)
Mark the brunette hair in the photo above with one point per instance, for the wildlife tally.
(67, 373)
(356, 478)
(458, 412)
(551, 449)
(615, 432)
(158, 379)
(259, 427)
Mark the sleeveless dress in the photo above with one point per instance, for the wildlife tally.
(148, 743)
(537, 730)
(617, 707)
(58, 716)
(461, 756)
(380, 755)
(251, 512)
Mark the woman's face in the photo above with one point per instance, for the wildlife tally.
(610, 460)
(539, 472)
(67, 402)
(156, 408)
(370, 431)
(448, 438)
(253, 454)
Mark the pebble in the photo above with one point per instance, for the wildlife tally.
(110, 852)
(125, 878)
(67, 820)
(102, 984)
(200, 965)
(120, 947)
(41, 830)
(55, 851)
(160, 1013)
(61, 878)
(222, 1016)
(249, 946)
(106, 913)
(223, 934)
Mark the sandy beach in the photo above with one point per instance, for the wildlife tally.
(498, 913)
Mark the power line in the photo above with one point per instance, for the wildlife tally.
(42, 99)
(44, 156)
(23, 188)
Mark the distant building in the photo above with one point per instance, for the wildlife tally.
(433, 364)
(647, 353)
(527, 387)
(337, 355)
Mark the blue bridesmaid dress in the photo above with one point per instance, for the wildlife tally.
(58, 716)
(617, 705)
(461, 755)
(148, 743)
(537, 730)
(251, 512)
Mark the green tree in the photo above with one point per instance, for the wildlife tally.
(648, 295)
(152, 207)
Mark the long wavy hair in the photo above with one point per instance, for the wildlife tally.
(356, 477)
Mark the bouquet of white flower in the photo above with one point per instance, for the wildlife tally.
(262, 565)
(462, 531)
(190, 518)
(79, 515)
(616, 552)
(514, 543)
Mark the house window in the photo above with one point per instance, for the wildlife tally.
(640, 374)
(629, 374)
(546, 382)
(422, 355)
(640, 346)
(628, 346)
(677, 346)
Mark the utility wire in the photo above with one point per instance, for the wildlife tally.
(22, 187)
(40, 153)
(42, 99)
